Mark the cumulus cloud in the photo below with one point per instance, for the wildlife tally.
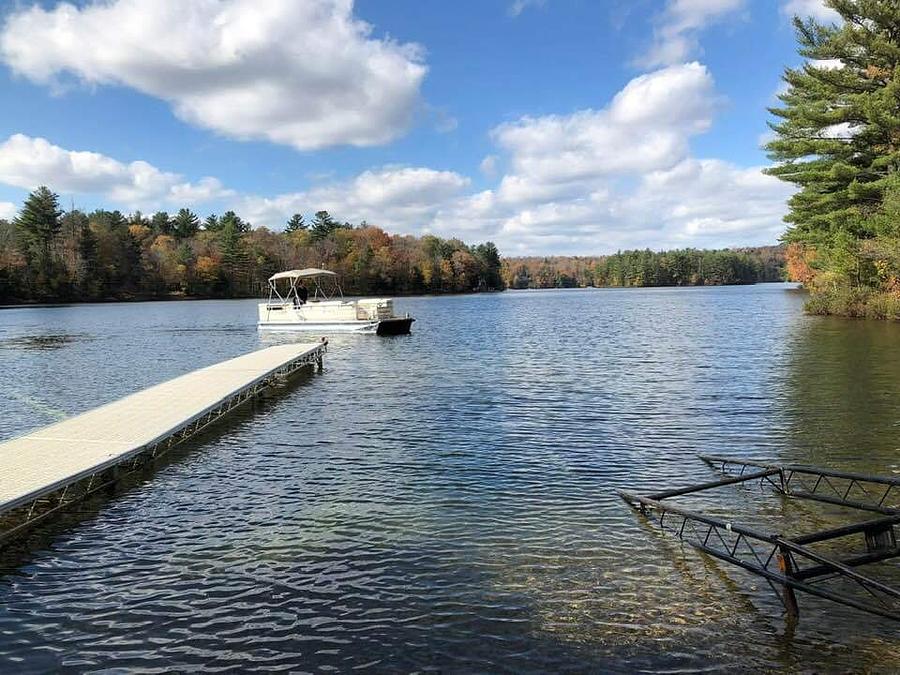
(304, 73)
(27, 162)
(675, 36)
(623, 176)
(712, 200)
(646, 126)
(8, 210)
(400, 199)
(813, 8)
(591, 181)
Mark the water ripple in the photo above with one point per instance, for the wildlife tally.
(445, 501)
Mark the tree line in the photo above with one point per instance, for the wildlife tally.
(837, 138)
(682, 267)
(50, 255)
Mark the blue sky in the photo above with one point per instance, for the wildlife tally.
(562, 126)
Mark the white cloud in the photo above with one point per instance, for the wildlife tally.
(488, 166)
(622, 177)
(27, 162)
(675, 36)
(646, 126)
(813, 8)
(701, 199)
(400, 199)
(592, 181)
(8, 210)
(304, 73)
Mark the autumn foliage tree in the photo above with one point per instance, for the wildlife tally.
(108, 255)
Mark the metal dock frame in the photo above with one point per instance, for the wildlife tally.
(788, 564)
(23, 513)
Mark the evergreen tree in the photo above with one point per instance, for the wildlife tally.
(838, 129)
(186, 224)
(489, 259)
(38, 223)
(323, 225)
(231, 241)
(161, 223)
(212, 223)
(234, 219)
(235, 260)
(295, 223)
(88, 259)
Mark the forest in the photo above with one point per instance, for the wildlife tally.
(836, 139)
(47, 255)
(683, 267)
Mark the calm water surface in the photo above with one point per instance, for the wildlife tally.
(445, 501)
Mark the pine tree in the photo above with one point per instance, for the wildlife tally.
(38, 224)
(186, 224)
(489, 259)
(212, 223)
(838, 133)
(295, 223)
(161, 223)
(235, 260)
(323, 225)
(88, 254)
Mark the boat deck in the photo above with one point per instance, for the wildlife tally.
(44, 462)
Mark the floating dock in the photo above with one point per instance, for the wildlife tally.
(48, 469)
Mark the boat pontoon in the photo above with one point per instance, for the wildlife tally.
(291, 306)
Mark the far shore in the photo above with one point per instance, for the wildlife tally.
(193, 298)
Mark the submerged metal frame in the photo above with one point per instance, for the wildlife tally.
(22, 515)
(789, 564)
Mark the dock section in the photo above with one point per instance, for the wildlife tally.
(44, 471)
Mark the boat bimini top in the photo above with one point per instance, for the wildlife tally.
(320, 291)
(302, 274)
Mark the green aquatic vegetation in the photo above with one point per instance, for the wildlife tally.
(857, 303)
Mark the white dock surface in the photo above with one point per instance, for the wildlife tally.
(49, 458)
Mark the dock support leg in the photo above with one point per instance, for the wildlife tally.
(788, 598)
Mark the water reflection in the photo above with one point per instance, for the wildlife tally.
(844, 403)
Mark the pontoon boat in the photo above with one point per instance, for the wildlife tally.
(293, 305)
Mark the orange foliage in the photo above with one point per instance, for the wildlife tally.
(207, 268)
(139, 232)
(164, 243)
(798, 261)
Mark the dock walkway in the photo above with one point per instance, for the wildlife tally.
(46, 469)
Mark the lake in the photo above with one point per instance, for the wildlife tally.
(445, 500)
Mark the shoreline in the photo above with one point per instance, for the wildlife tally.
(195, 298)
